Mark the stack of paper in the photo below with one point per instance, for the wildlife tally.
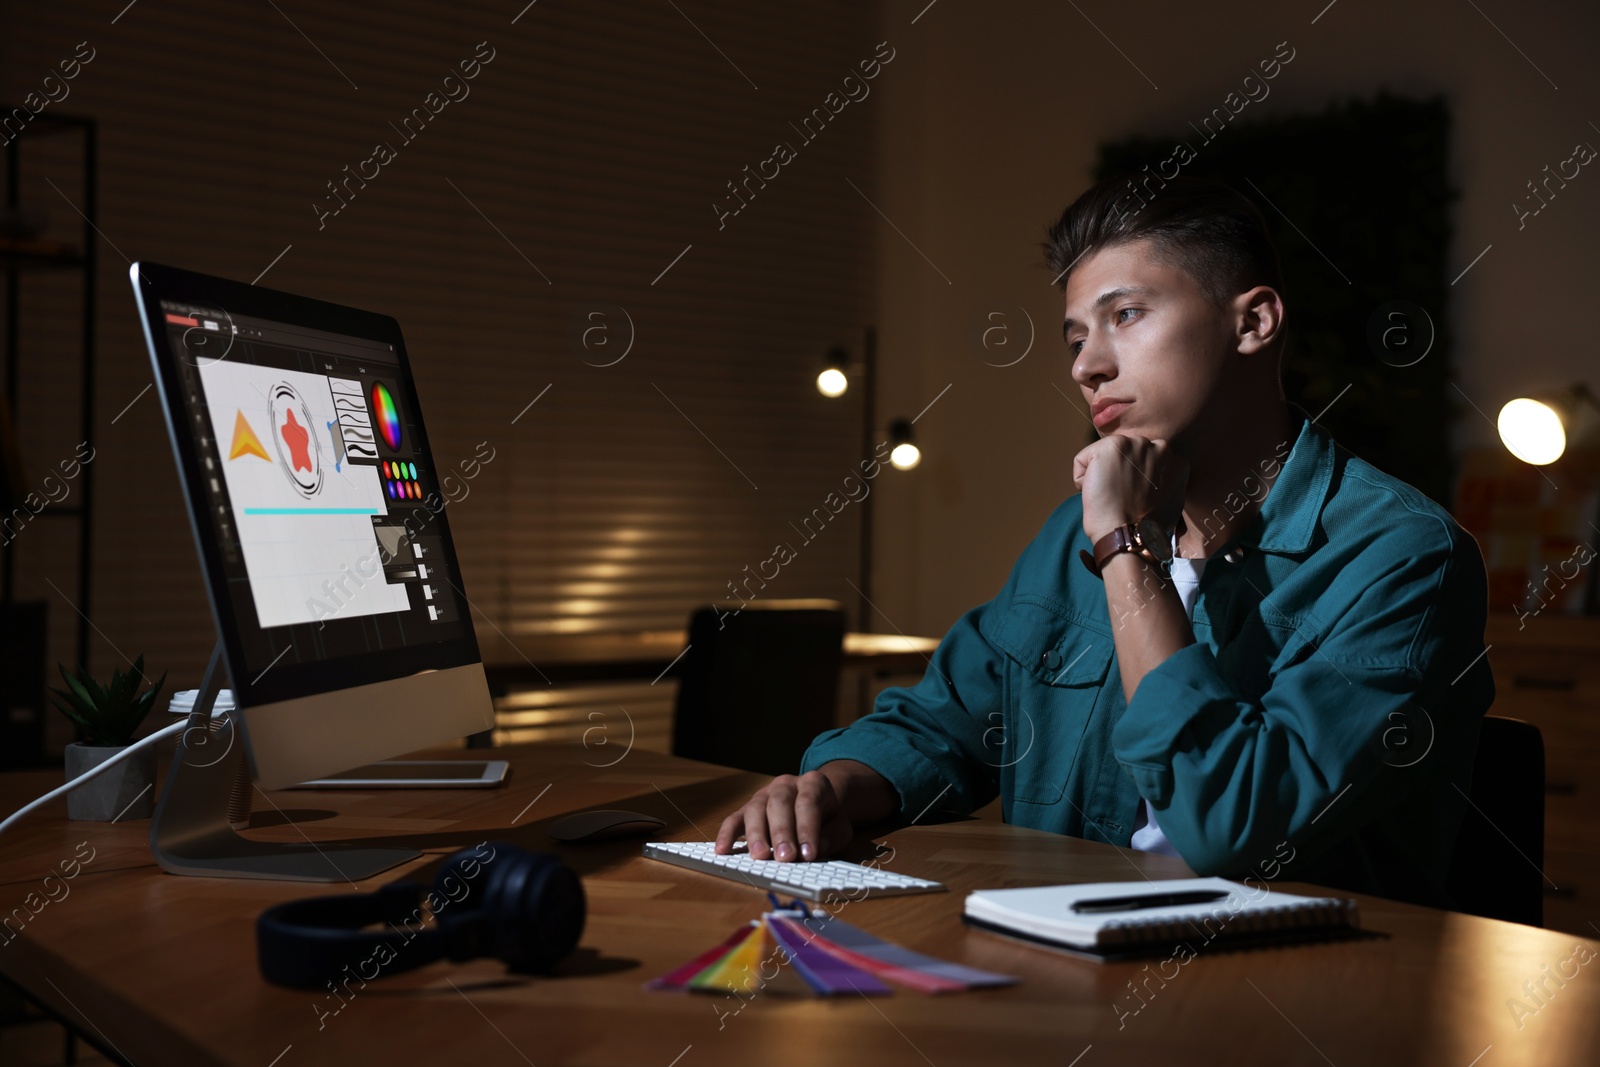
(794, 950)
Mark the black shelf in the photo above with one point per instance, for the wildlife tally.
(21, 256)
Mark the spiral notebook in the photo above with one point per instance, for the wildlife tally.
(1124, 920)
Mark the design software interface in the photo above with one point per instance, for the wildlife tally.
(323, 500)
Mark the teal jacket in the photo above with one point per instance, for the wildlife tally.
(1320, 728)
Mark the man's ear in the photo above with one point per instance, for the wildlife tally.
(1258, 318)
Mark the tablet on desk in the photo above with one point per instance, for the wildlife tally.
(417, 774)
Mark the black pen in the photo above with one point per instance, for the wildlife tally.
(1149, 900)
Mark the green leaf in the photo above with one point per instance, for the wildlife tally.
(81, 697)
(110, 714)
(66, 708)
(120, 691)
(134, 711)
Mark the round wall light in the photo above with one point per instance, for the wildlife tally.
(1539, 429)
(833, 381)
(905, 455)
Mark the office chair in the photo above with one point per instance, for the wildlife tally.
(1490, 875)
(756, 687)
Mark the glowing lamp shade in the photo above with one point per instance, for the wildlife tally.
(905, 456)
(832, 382)
(1532, 431)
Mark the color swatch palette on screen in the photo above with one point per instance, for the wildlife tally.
(794, 950)
(400, 480)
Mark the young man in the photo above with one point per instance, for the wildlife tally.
(1297, 693)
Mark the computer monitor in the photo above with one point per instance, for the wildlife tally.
(318, 511)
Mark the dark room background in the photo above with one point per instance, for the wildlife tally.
(582, 175)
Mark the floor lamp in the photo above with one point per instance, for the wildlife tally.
(833, 382)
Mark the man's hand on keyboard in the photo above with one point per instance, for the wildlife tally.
(791, 818)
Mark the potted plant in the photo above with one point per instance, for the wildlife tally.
(108, 716)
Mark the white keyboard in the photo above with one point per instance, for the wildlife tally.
(811, 881)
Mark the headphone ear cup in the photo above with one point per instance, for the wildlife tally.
(531, 907)
(545, 913)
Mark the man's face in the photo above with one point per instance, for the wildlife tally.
(1145, 334)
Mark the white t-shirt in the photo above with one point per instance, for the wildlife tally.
(1147, 835)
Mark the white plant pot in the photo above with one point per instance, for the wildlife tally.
(126, 791)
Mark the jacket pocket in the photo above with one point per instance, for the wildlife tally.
(1057, 669)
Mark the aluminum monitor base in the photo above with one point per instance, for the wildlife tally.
(189, 833)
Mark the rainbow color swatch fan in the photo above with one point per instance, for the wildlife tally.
(794, 950)
(387, 415)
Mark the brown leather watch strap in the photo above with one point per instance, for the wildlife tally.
(1122, 539)
(1144, 538)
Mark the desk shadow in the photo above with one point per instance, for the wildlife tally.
(720, 795)
(589, 963)
(582, 963)
(938, 818)
(1282, 940)
(289, 816)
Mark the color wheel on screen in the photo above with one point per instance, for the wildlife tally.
(387, 415)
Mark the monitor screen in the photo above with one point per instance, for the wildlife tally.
(316, 500)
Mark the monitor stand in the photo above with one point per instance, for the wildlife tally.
(190, 832)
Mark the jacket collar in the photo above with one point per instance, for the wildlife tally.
(1288, 517)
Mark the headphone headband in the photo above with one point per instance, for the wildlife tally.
(529, 913)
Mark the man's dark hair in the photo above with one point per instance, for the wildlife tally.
(1205, 228)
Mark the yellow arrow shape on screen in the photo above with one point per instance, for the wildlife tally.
(245, 441)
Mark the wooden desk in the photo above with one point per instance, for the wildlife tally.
(646, 653)
(164, 969)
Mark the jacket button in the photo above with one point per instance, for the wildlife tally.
(1051, 660)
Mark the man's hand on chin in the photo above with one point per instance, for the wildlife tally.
(1125, 478)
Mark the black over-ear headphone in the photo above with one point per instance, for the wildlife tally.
(496, 899)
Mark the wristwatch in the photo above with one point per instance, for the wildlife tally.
(1144, 537)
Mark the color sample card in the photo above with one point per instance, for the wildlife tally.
(792, 950)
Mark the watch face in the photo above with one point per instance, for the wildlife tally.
(1151, 537)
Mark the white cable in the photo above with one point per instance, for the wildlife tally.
(151, 739)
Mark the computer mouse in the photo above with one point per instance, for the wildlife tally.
(605, 824)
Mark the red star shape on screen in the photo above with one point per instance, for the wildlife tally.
(296, 437)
